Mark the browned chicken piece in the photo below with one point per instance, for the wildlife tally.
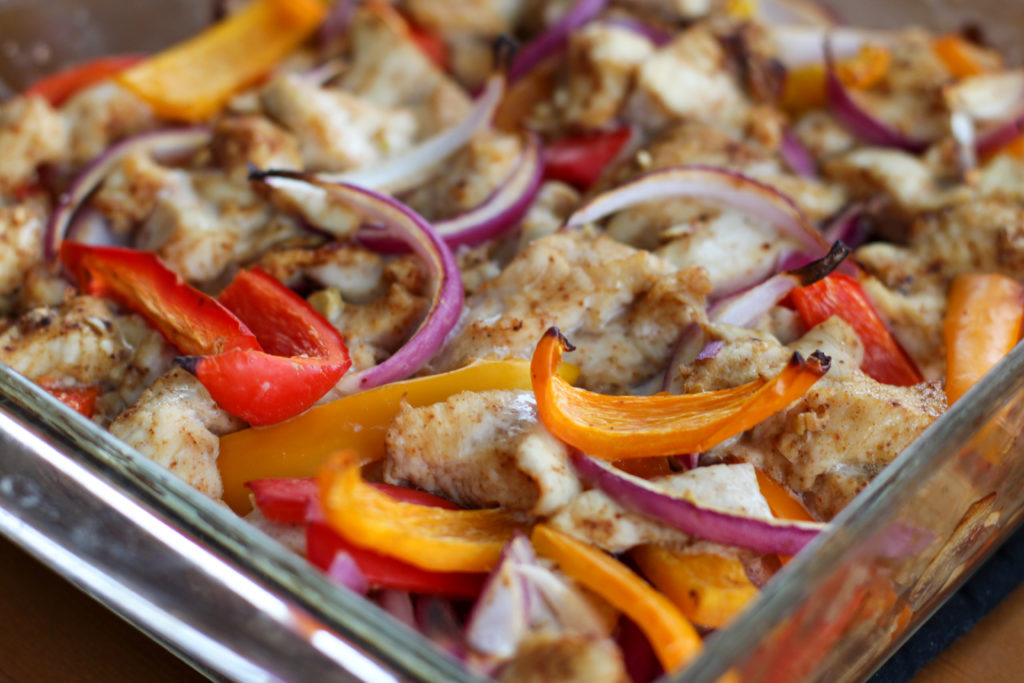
(596, 518)
(829, 444)
(822, 135)
(176, 424)
(336, 130)
(603, 63)
(481, 449)
(103, 114)
(544, 657)
(241, 142)
(623, 309)
(31, 133)
(481, 17)
(21, 248)
(129, 193)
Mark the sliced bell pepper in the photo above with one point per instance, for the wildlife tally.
(674, 639)
(57, 88)
(782, 503)
(580, 159)
(296, 448)
(384, 571)
(139, 280)
(289, 500)
(708, 589)
(620, 427)
(303, 357)
(804, 88)
(194, 79)
(961, 57)
(80, 399)
(841, 295)
(427, 537)
(983, 323)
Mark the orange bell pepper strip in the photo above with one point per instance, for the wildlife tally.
(194, 79)
(983, 322)
(839, 294)
(708, 589)
(80, 399)
(674, 639)
(782, 503)
(963, 58)
(620, 427)
(297, 447)
(804, 88)
(425, 536)
(57, 88)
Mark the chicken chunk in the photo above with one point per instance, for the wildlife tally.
(623, 309)
(31, 133)
(594, 517)
(336, 131)
(481, 17)
(481, 449)
(545, 657)
(603, 61)
(21, 248)
(103, 114)
(241, 142)
(176, 424)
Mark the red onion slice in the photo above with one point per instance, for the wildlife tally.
(399, 605)
(642, 497)
(169, 141)
(797, 157)
(987, 113)
(345, 571)
(851, 226)
(446, 282)
(408, 169)
(555, 38)
(500, 212)
(714, 185)
(856, 119)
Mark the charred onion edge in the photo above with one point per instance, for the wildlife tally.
(158, 142)
(446, 298)
(644, 498)
(555, 38)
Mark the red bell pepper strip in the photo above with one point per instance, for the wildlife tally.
(303, 355)
(192, 321)
(579, 159)
(57, 88)
(841, 295)
(80, 399)
(288, 500)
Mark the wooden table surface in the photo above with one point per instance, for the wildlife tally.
(49, 631)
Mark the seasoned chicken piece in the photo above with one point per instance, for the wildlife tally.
(78, 341)
(674, 9)
(481, 449)
(336, 131)
(375, 330)
(31, 133)
(490, 18)
(554, 204)
(822, 134)
(623, 309)
(355, 272)
(603, 62)
(21, 248)
(129, 193)
(689, 79)
(102, 114)
(597, 519)
(176, 424)
(291, 536)
(831, 442)
(240, 142)
(915, 319)
(544, 657)
(147, 356)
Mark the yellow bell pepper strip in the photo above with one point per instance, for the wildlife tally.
(804, 88)
(983, 322)
(708, 589)
(428, 537)
(297, 447)
(194, 79)
(674, 639)
(620, 427)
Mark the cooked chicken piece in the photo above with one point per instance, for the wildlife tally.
(41, 286)
(603, 62)
(490, 18)
(689, 79)
(594, 517)
(129, 193)
(102, 114)
(336, 131)
(481, 449)
(78, 341)
(175, 423)
(544, 657)
(390, 70)
(623, 309)
(674, 9)
(31, 133)
(356, 273)
(1000, 178)
(376, 330)
(148, 356)
(241, 142)
(291, 536)
(915, 319)
(830, 443)
(21, 248)
(823, 135)
(554, 204)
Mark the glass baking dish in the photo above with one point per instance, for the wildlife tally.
(236, 604)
